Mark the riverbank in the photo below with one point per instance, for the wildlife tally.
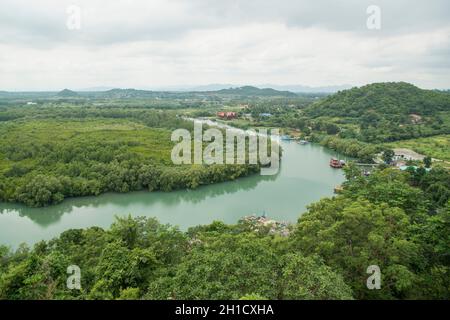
(304, 177)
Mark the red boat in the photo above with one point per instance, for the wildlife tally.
(335, 163)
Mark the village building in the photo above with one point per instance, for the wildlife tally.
(401, 157)
(227, 115)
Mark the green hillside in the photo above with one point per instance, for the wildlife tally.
(67, 93)
(383, 112)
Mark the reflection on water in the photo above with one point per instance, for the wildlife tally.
(304, 177)
(49, 215)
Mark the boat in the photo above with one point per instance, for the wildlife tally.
(303, 142)
(335, 163)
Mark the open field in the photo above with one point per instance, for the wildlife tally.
(139, 139)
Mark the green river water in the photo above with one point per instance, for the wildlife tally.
(304, 177)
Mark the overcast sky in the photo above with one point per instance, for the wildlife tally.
(157, 43)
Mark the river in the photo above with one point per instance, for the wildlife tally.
(304, 177)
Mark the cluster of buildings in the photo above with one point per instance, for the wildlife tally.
(406, 155)
(234, 115)
(401, 157)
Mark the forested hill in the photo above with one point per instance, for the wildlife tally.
(383, 112)
(127, 93)
(253, 91)
(393, 98)
(130, 93)
(67, 93)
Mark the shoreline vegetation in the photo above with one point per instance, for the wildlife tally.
(396, 220)
(54, 153)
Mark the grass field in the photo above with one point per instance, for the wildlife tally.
(152, 143)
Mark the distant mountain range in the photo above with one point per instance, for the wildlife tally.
(201, 91)
(307, 89)
(245, 91)
(254, 91)
(292, 88)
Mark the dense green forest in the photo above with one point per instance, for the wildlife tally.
(396, 220)
(362, 121)
(53, 152)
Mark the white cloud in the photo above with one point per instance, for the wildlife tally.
(162, 43)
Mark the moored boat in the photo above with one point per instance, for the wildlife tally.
(335, 163)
